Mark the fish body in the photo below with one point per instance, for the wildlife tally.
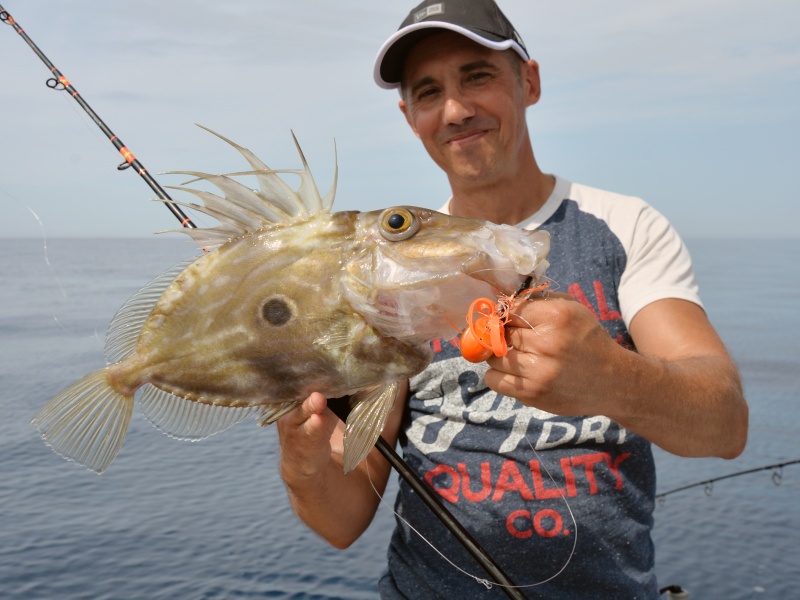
(290, 298)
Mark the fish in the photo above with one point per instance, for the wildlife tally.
(287, 298)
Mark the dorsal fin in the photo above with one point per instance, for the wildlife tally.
(125, 327)
(327, 201)
(241, 210)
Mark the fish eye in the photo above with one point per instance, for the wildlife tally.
(277, 311)
(398, 223)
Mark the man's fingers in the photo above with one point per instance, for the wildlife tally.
(515, 339)
(555, 296)
(527, 314)
(315, 404)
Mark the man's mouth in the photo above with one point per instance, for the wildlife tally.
(465, 137)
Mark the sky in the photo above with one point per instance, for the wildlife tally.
(692, 105)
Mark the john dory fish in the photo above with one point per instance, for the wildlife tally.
(290, 298)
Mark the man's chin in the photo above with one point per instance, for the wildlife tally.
(473, 171)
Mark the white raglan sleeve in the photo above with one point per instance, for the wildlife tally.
(658, 263)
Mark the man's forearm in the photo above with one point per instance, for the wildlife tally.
(339, 508)
(689, 407)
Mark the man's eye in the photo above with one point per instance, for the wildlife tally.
(426, 93)
(478, 76)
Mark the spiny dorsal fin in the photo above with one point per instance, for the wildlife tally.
(242, 210)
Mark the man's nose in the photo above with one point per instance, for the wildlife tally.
(457, 109)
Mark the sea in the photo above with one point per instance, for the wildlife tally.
(208, 520)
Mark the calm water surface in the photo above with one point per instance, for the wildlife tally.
(210, 520)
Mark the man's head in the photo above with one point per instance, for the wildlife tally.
(481, 21)
(465, 85)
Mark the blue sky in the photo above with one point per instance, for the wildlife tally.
(690, 105)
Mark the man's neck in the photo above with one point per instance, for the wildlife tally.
(508, 202)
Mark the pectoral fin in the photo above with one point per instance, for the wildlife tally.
(370, 409)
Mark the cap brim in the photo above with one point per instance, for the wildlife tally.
(388, 70)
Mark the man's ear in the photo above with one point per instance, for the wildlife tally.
(531, 82)
(404, 109)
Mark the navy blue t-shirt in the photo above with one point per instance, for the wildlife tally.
(577, 511)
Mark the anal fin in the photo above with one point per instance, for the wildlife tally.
(189, 420)
(273, 412)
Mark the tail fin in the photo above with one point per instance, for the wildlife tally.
(86, 422)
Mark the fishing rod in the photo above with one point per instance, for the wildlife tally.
(777, 477)
(58, 82)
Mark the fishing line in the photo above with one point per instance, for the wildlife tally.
(341, 408)
(45, 252)
(80, 116)
(569, 510)
(52, 273)
(552, 284)
(488, 584)
(485, 582)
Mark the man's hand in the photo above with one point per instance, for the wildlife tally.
(337, 507)
(681, 390)
(558, 357)
(305, 438)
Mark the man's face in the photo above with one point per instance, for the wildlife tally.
(467, 105)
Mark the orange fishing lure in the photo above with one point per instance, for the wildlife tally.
(485, 333)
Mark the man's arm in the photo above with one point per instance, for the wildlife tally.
(336, 507)
(680, 390)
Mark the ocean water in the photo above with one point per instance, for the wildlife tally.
(210, 519)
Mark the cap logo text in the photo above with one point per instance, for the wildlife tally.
(433, 9)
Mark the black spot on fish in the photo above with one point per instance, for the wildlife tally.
(276, 311)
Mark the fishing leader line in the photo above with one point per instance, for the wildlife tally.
(341, 408)
(46, 255)
(485, 582)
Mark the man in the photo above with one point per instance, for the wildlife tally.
(562, 425)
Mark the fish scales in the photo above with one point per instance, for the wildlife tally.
(290, 298)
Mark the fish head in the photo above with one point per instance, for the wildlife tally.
(422, 269)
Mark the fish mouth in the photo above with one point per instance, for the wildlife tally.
(505, 280)
(512, 260)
